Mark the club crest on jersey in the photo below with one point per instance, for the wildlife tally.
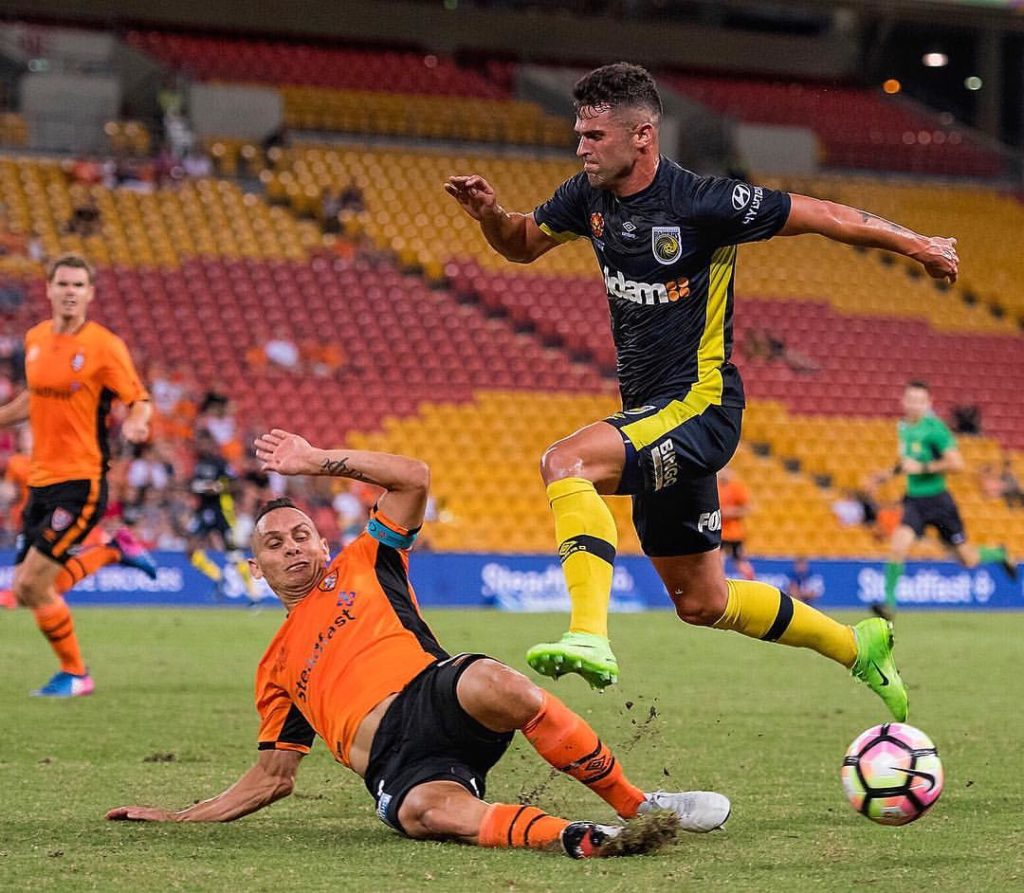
(61, 519)
(77, 362)
(666, 243)
(597, 224)
(328, 582)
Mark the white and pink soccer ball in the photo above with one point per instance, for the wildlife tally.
(892, 774)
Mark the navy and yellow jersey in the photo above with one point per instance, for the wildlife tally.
(668, 254)
(211, 483)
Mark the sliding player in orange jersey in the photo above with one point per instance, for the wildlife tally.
(74, 369)
(356, 664)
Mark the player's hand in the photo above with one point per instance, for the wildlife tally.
(135, 430)
(911, 466)
(141, 814)
(474, 194)
(939, 259)
(283, 452)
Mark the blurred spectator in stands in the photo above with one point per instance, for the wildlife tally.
(85, 218)
(734, 499)
(136, 174)
(323, 358)
(801, 585)
(282, 352)
(351, 513)
(197, 164)
(12, 296)
(967, 419)
(1009, 485)
(848, 509)
(989, 481)
(761, 344)
(149, 472)
(86, 171)
(330, 211)
(216, 417)
(352, 198)
(12, 358)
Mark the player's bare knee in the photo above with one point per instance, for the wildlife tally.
(700, 605)
(560, 461)
(498, 697)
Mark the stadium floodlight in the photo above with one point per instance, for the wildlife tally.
(973, 82)
(935, 60)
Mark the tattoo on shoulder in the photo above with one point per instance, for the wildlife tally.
(341, 468)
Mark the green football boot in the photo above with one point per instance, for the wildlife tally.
(584, 653)
(875, 666)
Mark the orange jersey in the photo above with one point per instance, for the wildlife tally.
(731, 496)
(355, 639)
(71, 382)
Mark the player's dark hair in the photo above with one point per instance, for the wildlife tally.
(919, 383)
(75, 261)
(620, 85)
(282, 502)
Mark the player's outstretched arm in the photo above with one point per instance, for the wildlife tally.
(406, 480)
(14, 411)
(842, 223)
(516, 237)
(272, 778)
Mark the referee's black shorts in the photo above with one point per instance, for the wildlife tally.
(940, 512)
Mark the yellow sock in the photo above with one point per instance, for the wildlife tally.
(586, 535)
(202, 563)
(762, 612)
(242, 566)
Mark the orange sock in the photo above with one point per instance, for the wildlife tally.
(82, 565)
(569, 744)
(513, 825)
(54, 622)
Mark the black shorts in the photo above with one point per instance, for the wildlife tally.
(210, 519)
(674, 451)
(59, 516)
(425, 735)
(937, 511)
(734, 549)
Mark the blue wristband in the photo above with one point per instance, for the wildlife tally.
(384, 534)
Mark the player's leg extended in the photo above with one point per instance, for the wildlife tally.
(703, 597)
(34, 588)
(575, 470)
(445, 810)
(971, 556)
(503, 700)
(902, 539)
(85, 563)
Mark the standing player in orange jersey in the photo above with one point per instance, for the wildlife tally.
(356, 664)
(74, 369)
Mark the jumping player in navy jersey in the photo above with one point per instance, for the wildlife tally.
(665, 240)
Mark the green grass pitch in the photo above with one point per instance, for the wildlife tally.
(172, 721)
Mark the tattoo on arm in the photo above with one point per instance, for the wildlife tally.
(887, 224)
(340, 468)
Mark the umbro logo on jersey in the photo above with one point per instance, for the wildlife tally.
(618, 286)
(666, 243)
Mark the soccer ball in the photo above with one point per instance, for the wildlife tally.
(892, 774)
